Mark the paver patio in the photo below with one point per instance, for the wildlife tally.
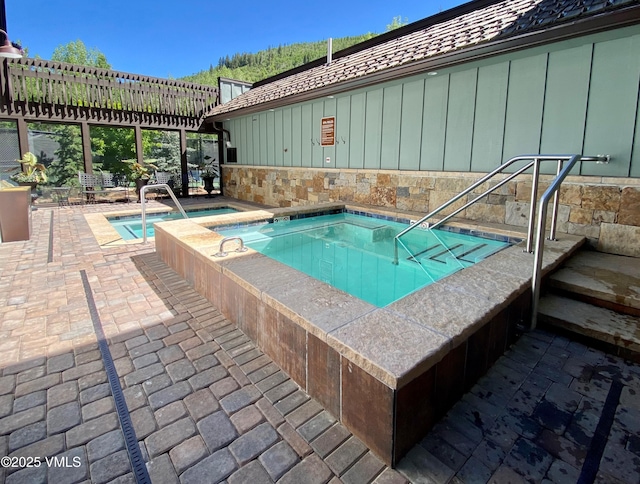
(207, 405)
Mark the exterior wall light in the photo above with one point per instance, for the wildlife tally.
(8, 49)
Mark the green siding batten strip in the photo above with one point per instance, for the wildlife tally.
(460, 114)
(411, 124)
(278, 136)
(241, 127)
(249, 123)
(255, 138)
(391, 118)
(296, 136)
(610, 116)
(271, 138)
(343, 122)
(286, 133)
(235, 137)
(525, 97)
(488, 127)
(307, 135)
(565, 103)
(317, 152)
(436, 97)
(357, 131)
(263, 139)
(635, 154)
(373, 129)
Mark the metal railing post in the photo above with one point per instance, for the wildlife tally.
(536, 277)
(554, 212)
(534, 199)
(143, 193)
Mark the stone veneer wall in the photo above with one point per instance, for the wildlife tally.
(605, 210)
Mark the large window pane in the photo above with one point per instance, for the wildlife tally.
(162, 148)
(110, 146)
(59, 148)
(9, 149)
(202, 158)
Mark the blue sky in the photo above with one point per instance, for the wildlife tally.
(174, 39)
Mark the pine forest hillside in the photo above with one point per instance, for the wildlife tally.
(274, 60)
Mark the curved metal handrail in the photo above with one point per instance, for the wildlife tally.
(552, 191)
(535, 163)
(143, 192)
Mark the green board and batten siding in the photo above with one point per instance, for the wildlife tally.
(434, 122)
(579, 95)
(411, 133)
(488, 127)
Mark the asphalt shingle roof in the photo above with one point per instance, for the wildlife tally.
(491, 22)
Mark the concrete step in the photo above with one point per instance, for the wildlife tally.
(605, 280)
(621, 331)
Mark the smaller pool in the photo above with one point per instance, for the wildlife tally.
(130, 227)
(355, 253)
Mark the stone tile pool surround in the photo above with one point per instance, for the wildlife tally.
(106, 234)
(386, 373)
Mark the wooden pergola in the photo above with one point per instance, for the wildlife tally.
(45, 91)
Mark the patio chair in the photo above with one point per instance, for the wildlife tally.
(90, 186)
(163, 177)
(195, 181)
(159, 178)
(104, 184)
(113, 183)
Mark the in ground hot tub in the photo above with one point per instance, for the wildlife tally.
(388, 373)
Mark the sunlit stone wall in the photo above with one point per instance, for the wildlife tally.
(605, 210)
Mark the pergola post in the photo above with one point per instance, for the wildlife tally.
(87, 156)
(23, 136)
(183, 163)
(139, 150)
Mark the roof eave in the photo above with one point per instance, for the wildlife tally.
(598, 23)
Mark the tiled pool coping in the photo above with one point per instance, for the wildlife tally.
(106, 234)
(511, 238)
(377, 369)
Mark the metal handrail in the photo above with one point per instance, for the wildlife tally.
(479, 182)
(143, 192)
(553, 190)
(535, 162)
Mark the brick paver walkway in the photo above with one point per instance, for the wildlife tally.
(207, 406)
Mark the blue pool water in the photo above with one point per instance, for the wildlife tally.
(354, 253)
(130, 227)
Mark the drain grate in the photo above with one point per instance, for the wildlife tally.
(130, 439)
(591, 463)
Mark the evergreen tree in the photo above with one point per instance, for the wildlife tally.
(165, 150)
(396, 23)
(252, 67)
(64, 170)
